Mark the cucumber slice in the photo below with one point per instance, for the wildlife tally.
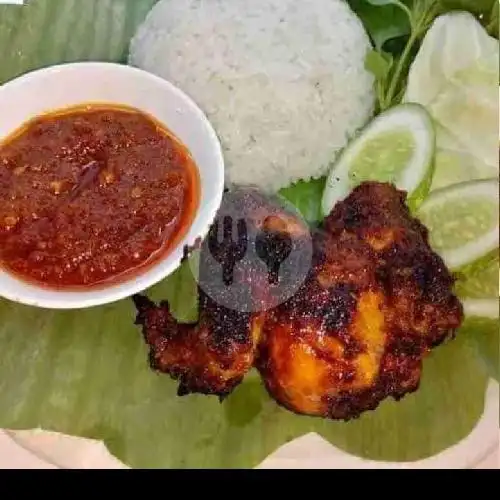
(463, 221)
(481, 308)
(398, 146)
(480, 280)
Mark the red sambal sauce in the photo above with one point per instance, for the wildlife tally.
(91, 194)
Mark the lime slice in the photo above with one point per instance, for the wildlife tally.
(397, 146)
(481, 308)
(480, 281)
(478, 288)
(463, 221)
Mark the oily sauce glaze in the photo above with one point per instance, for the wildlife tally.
(90, 194)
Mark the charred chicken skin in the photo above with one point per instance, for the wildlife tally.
(213, 355)
(375, 301)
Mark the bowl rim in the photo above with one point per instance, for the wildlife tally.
(57, 299)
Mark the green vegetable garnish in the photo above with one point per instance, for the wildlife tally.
(397, 28)
(397, 147)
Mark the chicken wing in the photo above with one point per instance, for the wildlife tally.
(212, 355)
(375, 301)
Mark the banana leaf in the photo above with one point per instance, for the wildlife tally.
(85, 373)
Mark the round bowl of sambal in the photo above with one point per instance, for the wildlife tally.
(107, 174)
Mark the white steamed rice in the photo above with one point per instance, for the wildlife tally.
(282, 81)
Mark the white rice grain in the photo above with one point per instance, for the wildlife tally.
(282, 81)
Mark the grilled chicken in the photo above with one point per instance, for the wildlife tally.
(375, 300)
(213, 355)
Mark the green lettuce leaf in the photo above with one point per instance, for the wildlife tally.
(306, 198)
(397, 28)
(462, 95)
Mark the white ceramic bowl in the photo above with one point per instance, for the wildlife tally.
(71, 84)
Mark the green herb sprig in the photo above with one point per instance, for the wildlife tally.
(397, 28)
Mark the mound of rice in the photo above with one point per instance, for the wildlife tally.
(282, 81)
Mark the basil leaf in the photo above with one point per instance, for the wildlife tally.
(382, 22)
